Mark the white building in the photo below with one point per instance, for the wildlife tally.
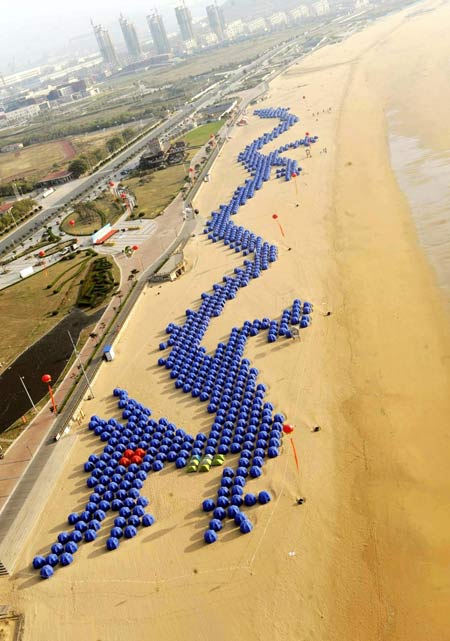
(235, 29)
(190, 45)
(256, 26)
(22, 114)
(278, 19)
(299, 13)
(17, 146)
(209, 39)
(321, 7)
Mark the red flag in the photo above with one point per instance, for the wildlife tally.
(295, 455)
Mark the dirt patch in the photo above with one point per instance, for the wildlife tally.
(68, 149)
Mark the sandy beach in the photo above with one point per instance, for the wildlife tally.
(365, 558)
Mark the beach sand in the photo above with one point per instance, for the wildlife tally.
(366, 557)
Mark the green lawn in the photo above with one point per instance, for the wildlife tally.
(200, 135)
(89, 217)
(156, 190)
(26, 308)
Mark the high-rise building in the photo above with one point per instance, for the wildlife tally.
(159, 34)
(299, 13)
(216, 20)
(278, 19)
(235, 29)
(321, 7)
(257, 25)
(105, 44)
(130, 37)
(184, 19)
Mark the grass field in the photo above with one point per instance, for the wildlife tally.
(36, 161)
(26, 307)
(89, 142)
(200, 135)
(107, 210)
(214, 60)
(157, 189)
(32, 162)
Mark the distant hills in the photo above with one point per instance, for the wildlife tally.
(251, 9)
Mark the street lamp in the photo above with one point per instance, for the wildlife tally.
(47, 379)
(12, 215)
(81, 364)
(27, 393)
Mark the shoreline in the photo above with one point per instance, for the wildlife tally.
(364, 558)
(406, 341)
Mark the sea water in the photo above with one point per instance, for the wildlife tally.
(424, 177)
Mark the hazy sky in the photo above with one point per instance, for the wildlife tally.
(32, 29)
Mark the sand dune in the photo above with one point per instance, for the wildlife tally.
(365, 558)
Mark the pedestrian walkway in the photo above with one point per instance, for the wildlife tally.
(128, 238)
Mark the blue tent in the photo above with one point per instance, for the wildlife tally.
(264, 497)
(208, 505)
(112, 543)
(245, 526)
(39, 562)
(216, 525)
(66, 559)
(52, 559)
(71, 547)
(90, 535)
(210, 536)
(46, 571)
(147, 520)
(57, 548)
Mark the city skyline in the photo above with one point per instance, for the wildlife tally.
(34, 33)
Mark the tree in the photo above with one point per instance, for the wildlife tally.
(114, 143)
(128, 133)
(97, 154)
(78, 167)
(24, 206)
(87, 212)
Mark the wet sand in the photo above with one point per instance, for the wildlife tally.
(366, 557)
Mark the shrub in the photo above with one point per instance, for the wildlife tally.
(97, 284)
